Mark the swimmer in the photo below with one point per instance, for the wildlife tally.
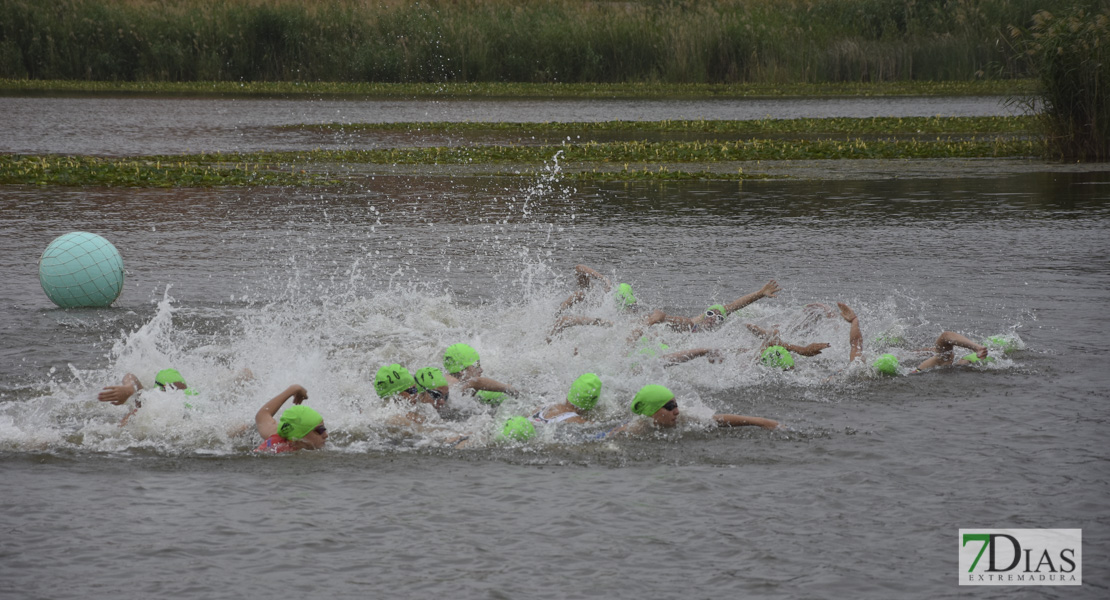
(713, 316)
(772, 339)
(945, 355)
(300, 428)
(464, 369)
(165, 380)
(660, 406)
(395, 383)
(625, 298)
(582, 396)
(943, 349)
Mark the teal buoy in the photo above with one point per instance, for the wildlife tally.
(81, 270)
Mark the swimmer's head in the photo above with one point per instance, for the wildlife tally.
(489, 397)
(657, 402)
(169, 378)
(585, 391)
(298, 421)
(430, 378)
(1004, 343)
(433, 386)
(975, 360)
(393, 379)
(458, 357)
(518, 429)
(625, 297)
(715, 315)
(777, 356)
(886, 364)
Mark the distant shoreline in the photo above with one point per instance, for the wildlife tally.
(1011, 87)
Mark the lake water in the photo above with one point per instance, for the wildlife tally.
(861, 495)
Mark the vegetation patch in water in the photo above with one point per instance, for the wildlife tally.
(663, 160)
(659, 152)
(147, 172)
(827, 126)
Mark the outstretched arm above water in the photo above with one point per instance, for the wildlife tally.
(855, 338)
(944, 350)
(771, 338)
(118, 394)
(767, 291)
(726, 420)
(583, 275)
(264, 419)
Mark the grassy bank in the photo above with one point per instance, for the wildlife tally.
(566, 41)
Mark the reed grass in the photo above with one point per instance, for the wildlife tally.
(566, 41)
(979, 87)
(1070, 54)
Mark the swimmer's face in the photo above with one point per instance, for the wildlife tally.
(317, 437)
(667, 416)
(437, 397)
(712, 319)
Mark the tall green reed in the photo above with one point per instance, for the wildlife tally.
(1070, 53)
(570, 41)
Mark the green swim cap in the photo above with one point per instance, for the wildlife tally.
(489, 397)
(624, 295)
(167, 376)
(518, 429)
(585, 391)
(650, 399)
(886, 364)
(649, 349)
(777, 356)
(974, 359)
(719, 308)
(1001, 342)
(458, 357)
(297, 421)
(392, 379)
(430, 378)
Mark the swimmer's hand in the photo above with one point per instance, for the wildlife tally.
(657, 316)
(116, 394)
(813, 349)
(770, 289)
(299, 394)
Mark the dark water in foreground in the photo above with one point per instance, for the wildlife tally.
(861, 496)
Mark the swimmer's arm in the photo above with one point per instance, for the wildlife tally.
(264, 419)
(584, 274)
(657, 316)
(489, 385)
(682, 356)
(571, 300)
(807, 350)
(726, 420)
(118, 394)
(767, 291)
(565, 322)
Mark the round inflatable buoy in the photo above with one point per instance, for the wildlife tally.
(81, 270)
